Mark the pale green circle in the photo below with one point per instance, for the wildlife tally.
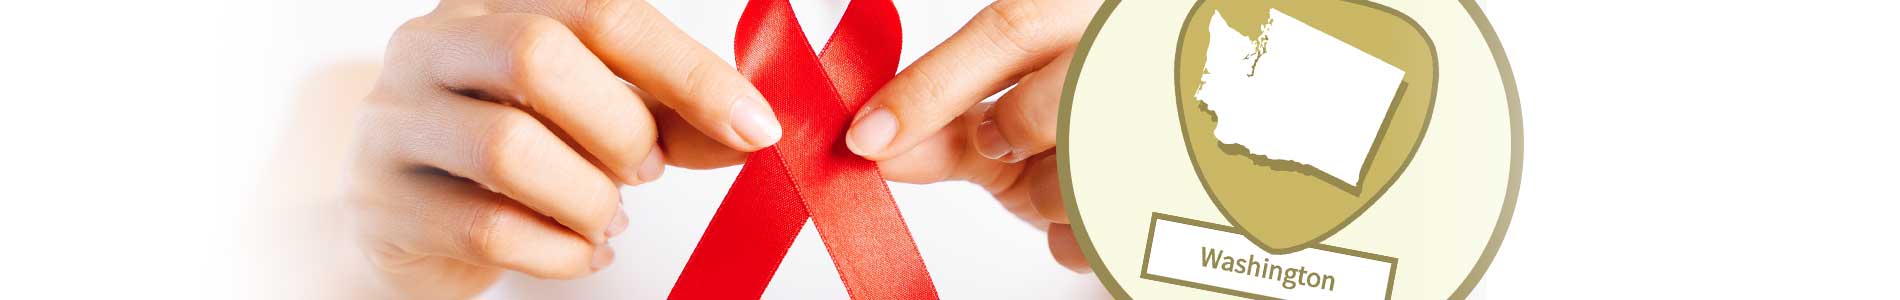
(1122, 155)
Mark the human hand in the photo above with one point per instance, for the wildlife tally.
(499, 131)
(928, 123)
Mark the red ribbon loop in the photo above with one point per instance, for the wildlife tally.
(810, 173)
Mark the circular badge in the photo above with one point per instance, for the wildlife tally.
(1290, 149)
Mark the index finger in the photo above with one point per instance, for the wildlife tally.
(643, 47)
(1005, 40)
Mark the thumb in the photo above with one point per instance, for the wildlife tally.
(1023, 121)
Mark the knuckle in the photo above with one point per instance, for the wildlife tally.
(1022, 125)
(487, 242)
(532, 47)
(700, 78)
(604, 208)
(416, 29)
(630, 22)
(375, 128)
(510, 137)
(626, 147)
(483, 232)
(393, 91)
(605, 16)
(388, 258)
(410, 29)
(1031, 122)
(597, 206)
(409, 46)
(623, 157)
(1014, 25)
(927, 91)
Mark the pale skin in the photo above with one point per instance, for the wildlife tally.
(499, 131)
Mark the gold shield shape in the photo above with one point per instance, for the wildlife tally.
(1284, 205)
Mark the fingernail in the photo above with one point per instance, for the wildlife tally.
(872, 133)
(989, 141)
(603, 256)
(1015, 156)
(753, 119)
(618, 225)
(653, 166)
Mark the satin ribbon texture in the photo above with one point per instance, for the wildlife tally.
(810, 173)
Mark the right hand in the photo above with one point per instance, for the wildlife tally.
(499, 132)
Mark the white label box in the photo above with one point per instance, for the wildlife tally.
(1220, 259)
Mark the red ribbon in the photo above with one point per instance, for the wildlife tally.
(810, 173)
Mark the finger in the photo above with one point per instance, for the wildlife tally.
(535, 63)
(947, 155)
(1023, 121)
(944, 156)
(641, 46)
(1067, 252)
(507, 151)
(1004, 41)
(1018, 199)
(442, 216)
(686, 147)
(1045, 191)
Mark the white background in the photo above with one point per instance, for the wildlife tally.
(1674, 149)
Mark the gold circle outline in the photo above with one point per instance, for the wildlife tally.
(1512, 104)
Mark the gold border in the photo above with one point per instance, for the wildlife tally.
(1509, 80)
(1062, 151)
(1477, 272)
(1431, 103)
(1391, 273)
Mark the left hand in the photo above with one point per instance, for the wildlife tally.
(928, 124)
